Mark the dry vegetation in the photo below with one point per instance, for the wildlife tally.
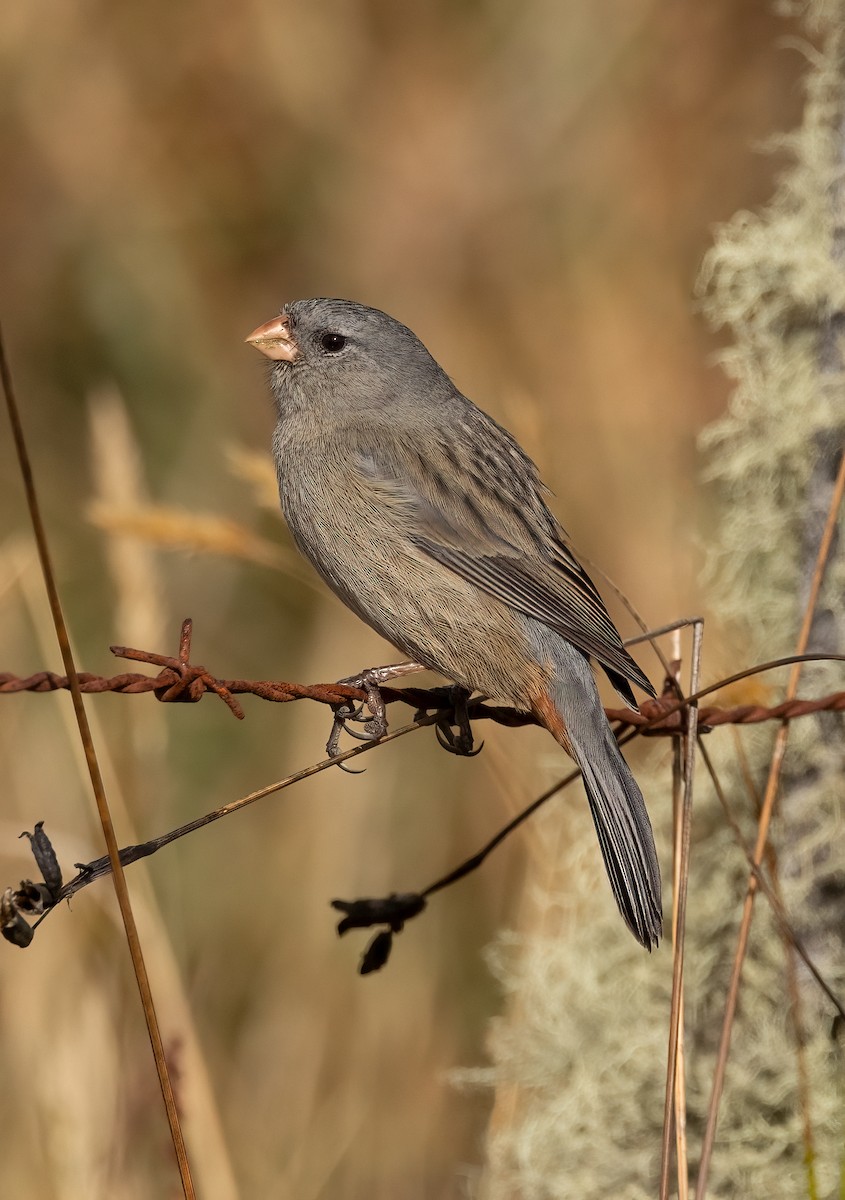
(530, 188)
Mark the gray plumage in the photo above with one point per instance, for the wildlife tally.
(429, 521)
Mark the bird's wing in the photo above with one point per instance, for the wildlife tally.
(486, 520)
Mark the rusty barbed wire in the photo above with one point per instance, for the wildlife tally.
(180, 681)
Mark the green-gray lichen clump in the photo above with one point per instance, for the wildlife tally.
(564, 1126)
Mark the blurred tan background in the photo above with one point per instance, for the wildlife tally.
(530, 188)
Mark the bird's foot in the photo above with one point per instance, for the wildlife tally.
(454, 730)
(371, 713)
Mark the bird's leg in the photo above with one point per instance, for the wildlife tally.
(371, 680)
(460, 741)
(375, 725)
(342, 714)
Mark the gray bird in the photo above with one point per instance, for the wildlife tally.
(429, 521)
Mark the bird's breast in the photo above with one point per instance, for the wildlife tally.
(358, 538)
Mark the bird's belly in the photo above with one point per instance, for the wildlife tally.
(428, 612)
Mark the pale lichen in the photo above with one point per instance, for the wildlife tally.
(578, 1062)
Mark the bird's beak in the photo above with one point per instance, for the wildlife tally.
(274, 338)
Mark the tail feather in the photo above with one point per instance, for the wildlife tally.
(626, 838)
(616, 803)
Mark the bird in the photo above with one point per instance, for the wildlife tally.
(430, 522)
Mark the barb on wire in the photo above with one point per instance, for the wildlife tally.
(180, 681)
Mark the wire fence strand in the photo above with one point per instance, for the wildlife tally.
(180, 681)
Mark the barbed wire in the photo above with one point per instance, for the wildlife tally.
(180, 681)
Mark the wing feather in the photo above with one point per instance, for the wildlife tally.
(486, 520)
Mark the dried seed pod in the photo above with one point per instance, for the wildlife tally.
(45, 858)
(33, 898)
(377, 953)
(12, 925)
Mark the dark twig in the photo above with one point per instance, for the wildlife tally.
(412, 903)
(96, 869)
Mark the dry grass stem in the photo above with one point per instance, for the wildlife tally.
(97, 785)
(769, 797)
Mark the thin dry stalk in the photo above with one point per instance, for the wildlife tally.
(762, 837)
(682, 769)
(793, 991)
(197, 1097)
(796, 1014)
(97, 785)
(680, 1067)
(777, 908)
(680, 912)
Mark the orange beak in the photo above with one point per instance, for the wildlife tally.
(274, 338)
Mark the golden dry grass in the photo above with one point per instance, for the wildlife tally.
(530, 188)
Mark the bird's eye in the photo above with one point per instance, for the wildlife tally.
(332, 342)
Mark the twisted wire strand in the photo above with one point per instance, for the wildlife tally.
(185, 683)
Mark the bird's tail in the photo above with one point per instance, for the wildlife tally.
(616, 803)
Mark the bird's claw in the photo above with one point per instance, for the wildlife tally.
(374, 721)
(375, 725)
(458, 740)
(456, 743)
(342, 714)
